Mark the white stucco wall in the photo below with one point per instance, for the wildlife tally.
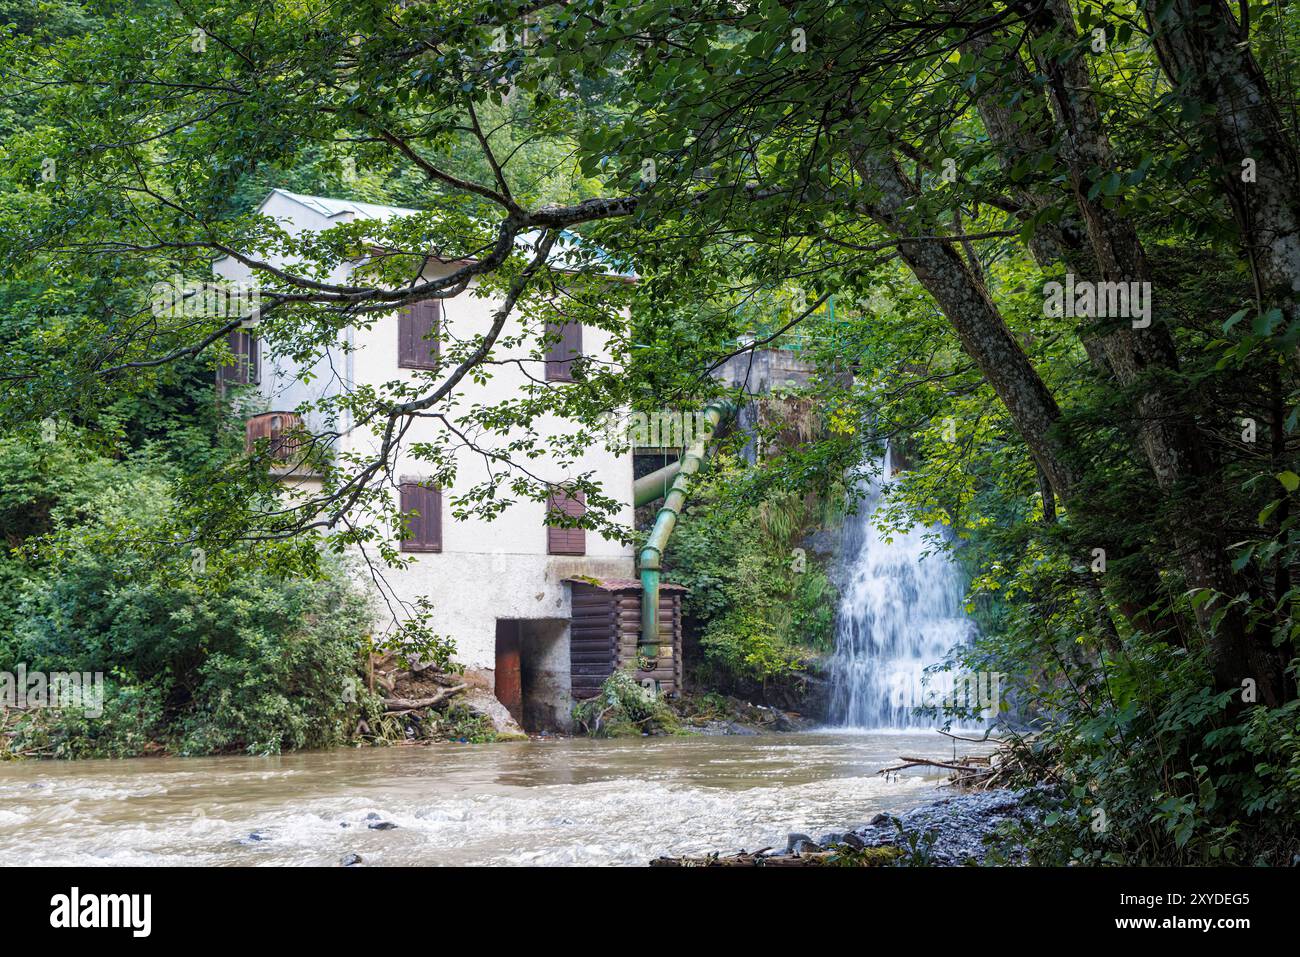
(487, 569)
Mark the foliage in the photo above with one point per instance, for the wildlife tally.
(624, 709)
(761, 604)
(848, 856)
(202, 657)
(934, 169)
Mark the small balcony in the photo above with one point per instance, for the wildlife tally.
(292, 450)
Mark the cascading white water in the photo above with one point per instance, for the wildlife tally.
(900, 612)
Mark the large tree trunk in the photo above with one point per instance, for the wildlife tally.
(1020, 128)
(979, 325)
(1206, 55)
(1142, 358)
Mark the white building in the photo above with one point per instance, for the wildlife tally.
(497, 588)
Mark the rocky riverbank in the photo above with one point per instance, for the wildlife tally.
(955, 831)
(712, 713)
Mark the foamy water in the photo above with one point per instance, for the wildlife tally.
(535, 802)
(900, 613)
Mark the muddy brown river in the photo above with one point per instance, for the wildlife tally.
(538, 802)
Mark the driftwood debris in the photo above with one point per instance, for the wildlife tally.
(971, 771)
(1012, 759)
(403, 705)
(837, 855)
(747, 859)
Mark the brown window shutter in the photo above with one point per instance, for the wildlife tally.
(254, 349)
(423, 507)
(566, 541)
(244, 369)
(417, 334)
(564, 345)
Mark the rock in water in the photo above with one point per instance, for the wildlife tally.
(485, 703)
(350, 860)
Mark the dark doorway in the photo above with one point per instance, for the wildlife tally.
(532, 673)
(509, 675)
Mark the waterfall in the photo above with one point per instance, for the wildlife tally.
(899, 613)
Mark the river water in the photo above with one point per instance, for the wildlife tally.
(561, 801)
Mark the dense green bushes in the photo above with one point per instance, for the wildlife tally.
(200, 654)
(761, 605)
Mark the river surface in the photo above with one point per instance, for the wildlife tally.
(561, 801)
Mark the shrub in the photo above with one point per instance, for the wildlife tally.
(199, 658)
(622, 709)
(761, 608)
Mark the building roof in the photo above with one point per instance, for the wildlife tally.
(338, 207)
(621, 584)
(564, 254)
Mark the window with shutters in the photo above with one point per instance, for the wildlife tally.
(244, 370)
(417, 334)
(422, 506)
(566, 541)
(563, 346)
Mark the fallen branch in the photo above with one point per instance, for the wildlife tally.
(416, 704)
(927, 763)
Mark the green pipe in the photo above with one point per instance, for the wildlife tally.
(652, 487)
(715, 414)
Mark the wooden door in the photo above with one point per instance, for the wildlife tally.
(509, 678)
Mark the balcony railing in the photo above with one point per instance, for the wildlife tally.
(290, 446)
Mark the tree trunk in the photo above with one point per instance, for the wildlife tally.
(1206, 53)
(984, 335)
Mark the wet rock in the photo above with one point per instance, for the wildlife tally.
(381, 826)
(350, 860)
(949, 832)
(955, 831)
(256, 837)
(485, 703)
(794, 839)
(826, 840)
